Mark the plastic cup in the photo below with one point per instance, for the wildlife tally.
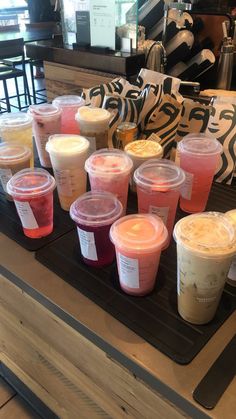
(69, 105)
(13, 158)
(17, 128)
(138, 240)
(199, 158)
(68, 154)
(109, 171)
(32, 192)
(232, 271)
(140, 151)
(159, 184)
(206, 243)
(94, 213)
(46, 122)
(94, 125)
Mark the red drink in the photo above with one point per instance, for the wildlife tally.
(198, 158)
(69, 105)
(32, 191)
(94, 213)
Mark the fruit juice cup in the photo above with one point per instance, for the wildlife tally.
(94, 125)
(68, 154)
(206, 243)
(46, 122)
(94, 213)
(140, 151)
(13, 158)
(17, 128)
(69, 105)
(199, 157)
(32, 192)
(138, 240)
(159, 183)
(232, 271)
(109, 171)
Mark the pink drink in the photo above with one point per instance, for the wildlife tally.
(158, 187)
(46, 122)
(138, 239)
(94, 213)
(69, 105)
(32, 191)
(109, 171)
(199, 158)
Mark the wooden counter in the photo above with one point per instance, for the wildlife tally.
(81, 362)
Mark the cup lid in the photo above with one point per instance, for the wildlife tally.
(140, 233)
(96, 209)
(15, 120)
(68, 100)
(108, 162)
(92, 115)
(159, 175)
(44, 110)
(200, 144)
(144, 149)
(14, 152)
(209, 234)
(30, 183)
(66, 144)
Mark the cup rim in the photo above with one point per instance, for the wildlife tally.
(35, 111)
(65, 101)
(200, 145)
(15, 120)
(34, 191)
(20, 156)
(96, 170)
(157, 154)
(84, 144)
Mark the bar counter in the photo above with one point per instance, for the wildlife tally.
(77, 358)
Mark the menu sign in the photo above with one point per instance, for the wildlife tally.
(102, 23)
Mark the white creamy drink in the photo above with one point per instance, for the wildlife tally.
(68, 154)
(232, 271)
(206, 243)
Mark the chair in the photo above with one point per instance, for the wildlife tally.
(9, 49)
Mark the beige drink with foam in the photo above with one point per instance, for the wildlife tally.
(140, 151)
(232, 271)
(68, 154)
(206, 243)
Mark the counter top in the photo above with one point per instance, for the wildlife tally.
(175, 382)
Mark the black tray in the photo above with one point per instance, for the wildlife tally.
(155, 316)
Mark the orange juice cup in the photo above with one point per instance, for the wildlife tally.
(138, 240)
(199, 157)
(109, 171)
(69, 105)
(158, 187)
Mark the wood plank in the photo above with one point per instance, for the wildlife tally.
(64, 362)
(18, 408)
(6, 392)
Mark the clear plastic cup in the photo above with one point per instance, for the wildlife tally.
(68, 154)
(232, 271)
(206, 243)
(138, 240)
(69, 105)
(140, 151)
(159, 184)
(32, 192)
(94, 125)
(199, 157)
(46, 122)
(94, 213)
(109, 171)
(17, 128)
(13, 158)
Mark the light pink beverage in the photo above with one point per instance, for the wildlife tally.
(199, 157)
(109, 171)
(158, 187)
(69, 105)
(46, 122)
(138, 239)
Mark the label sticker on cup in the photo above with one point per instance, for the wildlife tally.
(162, 212)
(186, 190)
(92, 144)
(87, 244)
(43, 154)
(26, 215)
(129, 271)
(5, 176)
(63, 180)
(232, 271)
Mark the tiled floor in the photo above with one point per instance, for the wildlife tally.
(39, 84)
